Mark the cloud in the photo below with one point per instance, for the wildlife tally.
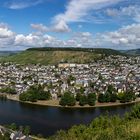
(131, 12)
(21, 4)
(6, 36)
(78, 10)
(40, 27)
(127, 37)
(31, 40)
(5, 32)
(61, 27)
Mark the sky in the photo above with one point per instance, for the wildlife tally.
(69, 23)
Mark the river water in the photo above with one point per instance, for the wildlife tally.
(48, 120)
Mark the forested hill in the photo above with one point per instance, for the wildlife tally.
(95, 50)
(134, 52)
(56, 55)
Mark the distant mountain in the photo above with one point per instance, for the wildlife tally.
(56, 55)
(8, 53)
(134, 52)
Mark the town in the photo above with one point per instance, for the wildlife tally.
(121, 72)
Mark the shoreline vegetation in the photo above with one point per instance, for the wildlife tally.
(55, 103)
(105, 128)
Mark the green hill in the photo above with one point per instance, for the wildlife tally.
(134, 52)
(56, 55)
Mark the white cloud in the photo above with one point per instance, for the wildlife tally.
(32, 40)
(6, 36)
(77, 10)
(40, 27)
(132, 12)
(127, 37)
(61, 26)
(21, 4)
(5, 32)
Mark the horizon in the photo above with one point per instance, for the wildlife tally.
(69, 23)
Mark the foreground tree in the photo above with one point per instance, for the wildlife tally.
(78, 95)
(83, 100)
(35, 93)
(67, 99)
(91, 99)
(126, 96)
(101, 98)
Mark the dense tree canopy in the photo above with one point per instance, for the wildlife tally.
(67, 99)
(91, 99)
(83, 100)
(35, 93)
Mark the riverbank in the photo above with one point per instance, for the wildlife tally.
(55, 103)
(105, 128)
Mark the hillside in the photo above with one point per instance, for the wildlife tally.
(134, 52)
(56, 55)
(105, 128)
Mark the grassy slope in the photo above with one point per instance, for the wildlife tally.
(52, 57)
(57, 55)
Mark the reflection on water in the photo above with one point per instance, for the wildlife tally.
(47, 120)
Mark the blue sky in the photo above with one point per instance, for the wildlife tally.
(69, 23)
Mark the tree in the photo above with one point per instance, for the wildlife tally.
(107, 97)
(92, 85)
(113, 97)
(83, 100)
(101, 98)
(126, 96)
(27, 130)
(8, 90)
(13, 126)
(67, 99)
(82, 89)
(78, 95)
(70, 78)
(91, 99)
(111, 89)
(35, 93)
(129, 96)
(120, 96)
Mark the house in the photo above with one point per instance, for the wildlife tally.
(19, 136)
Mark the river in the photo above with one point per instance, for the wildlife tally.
(48, 120)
